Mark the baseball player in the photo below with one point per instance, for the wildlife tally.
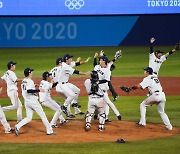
(45, 98)
(104, 74)
(31, 103)
(55, 71)
(156, 96)
(68, 89)
(157, 58)
(112, 67)
(3, 120)
(11, 81)
(95, 100)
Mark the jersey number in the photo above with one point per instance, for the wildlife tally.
(156, 80)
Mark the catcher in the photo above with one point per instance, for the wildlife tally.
(95, 100)
(157, 58)
(156, 96)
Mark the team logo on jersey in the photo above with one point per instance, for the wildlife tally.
(74, 4)
(157, 61)
(99, 71)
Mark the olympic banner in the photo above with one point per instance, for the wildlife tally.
(64, 31)
(88, 7)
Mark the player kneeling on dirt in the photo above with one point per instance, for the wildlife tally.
(95, 100)
(155, 96)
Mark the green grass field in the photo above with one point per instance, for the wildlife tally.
(131, 64)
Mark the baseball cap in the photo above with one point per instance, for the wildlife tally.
(46, 74)
(59, 60)
(149, 69)
(10, 64)
(104, 58)
(159, 51)
(66, 57)
(27, 71)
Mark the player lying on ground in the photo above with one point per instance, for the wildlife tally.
(156, 96)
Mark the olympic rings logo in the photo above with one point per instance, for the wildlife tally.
(74, 4)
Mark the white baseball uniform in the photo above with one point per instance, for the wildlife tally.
(11, 81)
(31, 105)
(104, 73)
(156, 96)
(96, 101)
(46, 100)
(68, 89)
(4, 121)
(55, 73)
(155, 63)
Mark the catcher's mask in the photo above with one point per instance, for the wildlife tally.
(94, 75)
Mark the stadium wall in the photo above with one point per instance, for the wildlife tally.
(62, 31)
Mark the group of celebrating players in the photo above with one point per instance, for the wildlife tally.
(97, 87)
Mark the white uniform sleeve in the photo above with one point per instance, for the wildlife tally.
(73, 64)
(145, 83)
(3, 77)
(69, 70)
(87, 84)
(163, 58)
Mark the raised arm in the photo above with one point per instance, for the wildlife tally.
(152, 40)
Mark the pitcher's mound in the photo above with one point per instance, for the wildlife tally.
(73, 131)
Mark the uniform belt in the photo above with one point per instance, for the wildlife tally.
(96, 96)
(155, 73)
(156, 91)
(64, 82)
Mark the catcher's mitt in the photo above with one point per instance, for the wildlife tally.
(94, 88)
(126, 89)
(177, 46)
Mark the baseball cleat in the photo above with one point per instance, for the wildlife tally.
(108, 120)
(101, 129)
(87, 128)
(54, 126)
(53, 133)
(16, 130)
(9, 131)
(64, 122)
(76, 105)
(119, 117)
(64, 109)
(140, 125)
(71, 116)
(80, 113)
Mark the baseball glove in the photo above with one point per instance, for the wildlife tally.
(126, 89)
(118, 54)
(94, 88)
(177, 46)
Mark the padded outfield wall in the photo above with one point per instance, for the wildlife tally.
(62, 31)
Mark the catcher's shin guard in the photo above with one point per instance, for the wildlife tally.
(102, 118)
(88, 121)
